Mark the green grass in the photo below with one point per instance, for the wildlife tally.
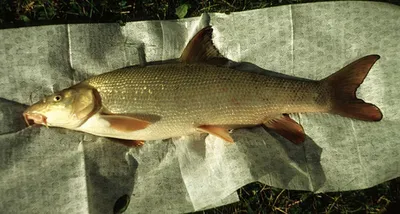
(17, 13)
(259, 198)
(255, 197)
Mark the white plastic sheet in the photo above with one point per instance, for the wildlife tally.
(60, 171)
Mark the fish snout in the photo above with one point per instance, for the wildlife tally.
(35, 118)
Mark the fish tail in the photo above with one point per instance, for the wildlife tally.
(343, 86)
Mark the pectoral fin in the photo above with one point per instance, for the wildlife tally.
(220, 132)
(125, 123)
(130, 143)
(287, 128)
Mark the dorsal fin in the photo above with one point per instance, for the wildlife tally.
(201, 48)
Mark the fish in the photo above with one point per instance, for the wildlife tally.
(200, 92)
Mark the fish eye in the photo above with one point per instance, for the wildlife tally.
(57, 98)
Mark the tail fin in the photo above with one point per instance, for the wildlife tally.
(343, 85)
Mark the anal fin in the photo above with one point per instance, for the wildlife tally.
(218, 131)
(287, 128)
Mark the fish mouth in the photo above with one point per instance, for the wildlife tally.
(35, 118)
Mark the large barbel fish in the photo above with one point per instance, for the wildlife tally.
(200, 92)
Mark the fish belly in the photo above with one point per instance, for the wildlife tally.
(97, 126)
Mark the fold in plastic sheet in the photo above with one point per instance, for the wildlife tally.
(56, 170)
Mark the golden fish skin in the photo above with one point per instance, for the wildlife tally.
(185, 96)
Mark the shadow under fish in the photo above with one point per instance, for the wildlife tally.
(12, 119)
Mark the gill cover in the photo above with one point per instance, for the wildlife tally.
(86, 103)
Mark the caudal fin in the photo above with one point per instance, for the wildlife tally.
(343, 85)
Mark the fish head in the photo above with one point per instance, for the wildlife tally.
(68, 108)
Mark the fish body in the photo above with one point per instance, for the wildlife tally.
(185, 96)
(199, 92)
